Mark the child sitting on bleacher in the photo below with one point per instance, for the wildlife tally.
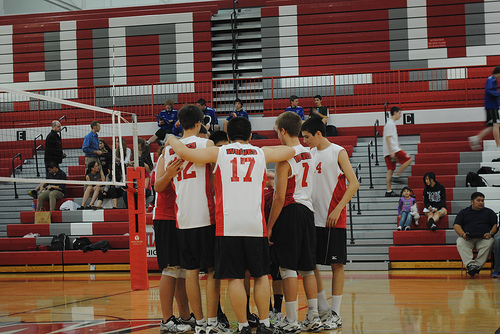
(406, 201)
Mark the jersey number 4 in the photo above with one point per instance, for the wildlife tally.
(243, 161)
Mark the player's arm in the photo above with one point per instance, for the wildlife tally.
(280, 179)
(346, 167)
(278, 153)
(196, 155)
(165, 175)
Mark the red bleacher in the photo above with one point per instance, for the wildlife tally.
(424, 253)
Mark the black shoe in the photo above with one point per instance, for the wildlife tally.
(391, 194)
(253, 319)
(433, 227)
(33, 193)
(430, 222)
(221, 318)
(471, 270)
(398, 179)
(245, 330)
(262, 329)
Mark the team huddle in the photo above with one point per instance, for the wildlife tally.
(210, 216)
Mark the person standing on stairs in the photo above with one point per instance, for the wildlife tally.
(393, 153)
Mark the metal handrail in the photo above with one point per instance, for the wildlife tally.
(386, 104)
(63, 128)
(370, 157)
(358, 167)
(36, 155)
(62, 117)
(20, 167)
(375, 135)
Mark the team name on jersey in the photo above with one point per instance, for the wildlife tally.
(191, 145)
(241, 151)
(302, 156)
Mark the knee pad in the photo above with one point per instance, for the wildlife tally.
(174, 272)
(306, 273)
(287, 273)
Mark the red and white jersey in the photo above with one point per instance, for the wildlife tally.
(329, 185)
(194, 203)
(164, 201)
(240, 176)
(300, 182)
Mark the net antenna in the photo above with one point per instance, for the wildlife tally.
(17, 95)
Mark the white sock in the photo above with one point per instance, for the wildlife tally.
(291, 310)
(312, 307)
(201, 322)
(336, 300)
(242, 325)
(323, 302)
(212, 321)
(266, 322)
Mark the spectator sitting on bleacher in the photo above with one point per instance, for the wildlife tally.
(210, 121)
(434, 200)
(406, 201)
(126, 151)
(166, 121)
(52, 192)
(319, 111)
(105, 157)
(145, 155)
(147, 187)
(294, 106)
(476, 226)
(238, 112)
(92, 175)
(110, 191)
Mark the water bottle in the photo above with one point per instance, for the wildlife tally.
(33, 205)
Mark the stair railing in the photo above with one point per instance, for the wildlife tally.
(376, 134)
(358, 167)
(20, 167)
(370, 157)
(60, 132)
(62, 117)
(234, 55)
(39, 147)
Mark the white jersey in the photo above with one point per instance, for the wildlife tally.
(300, 182)
(194, 203)
(240, 176)
(329, 184)
(391, 132)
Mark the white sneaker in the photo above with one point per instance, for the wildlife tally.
(311, 325)
(200, 329)
(218, 328)
(337, 319)
(276, 317)
(475, 143)
(407, 228)
(289, 327)
(328, 320)
(399, 228)
(173, 326)
(416, 222)
(191, 321)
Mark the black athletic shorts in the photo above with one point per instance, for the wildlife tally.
(273, 266)
(492, 117)
(166, 243)
(197, 247)
(331, 246)
(235, 255)
(294, 237)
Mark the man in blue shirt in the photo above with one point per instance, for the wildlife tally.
(91, 146)
(491, 105)
(238, 112)
(211, 122)
(294, 106)
(166, 121)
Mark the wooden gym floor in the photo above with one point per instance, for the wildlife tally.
(398, 301)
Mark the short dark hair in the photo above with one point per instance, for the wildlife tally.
(318, 97)
(313, 125)
(218, 136)
(202, 102)
(289, 121)
(496, 70)
(293, 97)
(239, 128)
(475, 195)
(52, 164)
(238, 100)
(189, 115)
(431, 176)
(94, 123)
(203, 130)
(395, 110)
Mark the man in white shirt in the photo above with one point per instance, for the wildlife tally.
(393, 153)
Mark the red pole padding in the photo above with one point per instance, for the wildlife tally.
(137, 229)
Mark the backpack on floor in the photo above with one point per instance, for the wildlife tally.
(59, 242)
(474, 180)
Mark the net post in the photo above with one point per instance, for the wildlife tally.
(135, 140)
(137, 228)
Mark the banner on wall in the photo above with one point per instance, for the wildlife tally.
(150, 237)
